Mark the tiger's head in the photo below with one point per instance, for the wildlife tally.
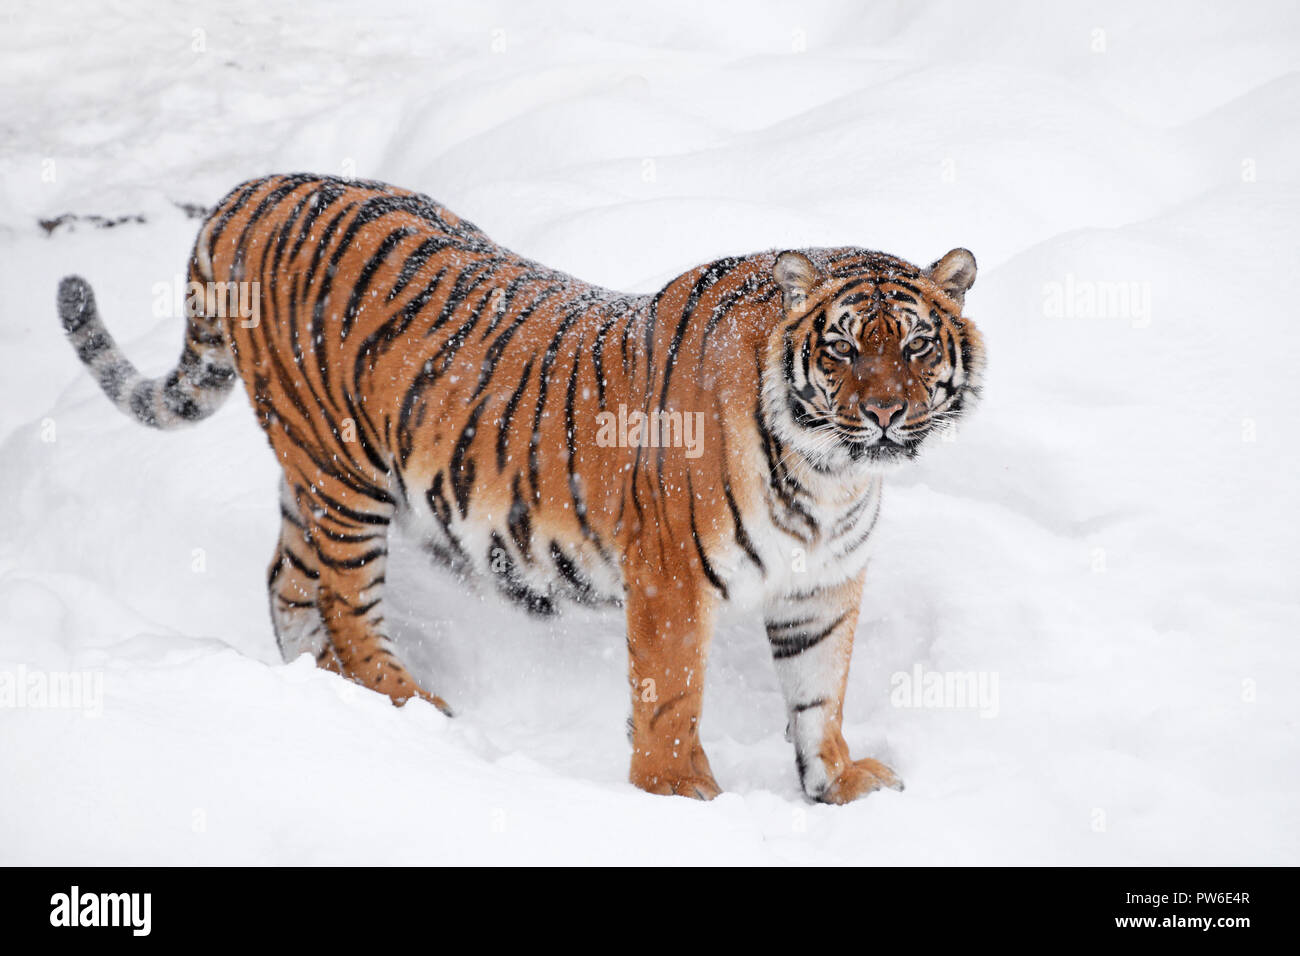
(873, 356)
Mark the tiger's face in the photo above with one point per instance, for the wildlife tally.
(875, 361)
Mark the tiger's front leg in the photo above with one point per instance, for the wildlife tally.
(811, 635)
(669, 625)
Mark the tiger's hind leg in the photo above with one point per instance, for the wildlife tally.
(351, 552)
(292, 586)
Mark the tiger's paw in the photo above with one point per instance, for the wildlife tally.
(696, 786)
(408, 690)
(673, 770)
(434, 699)
(692, 778)
(401, 687)
(858, 779)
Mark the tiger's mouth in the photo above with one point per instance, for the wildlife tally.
(883, 450)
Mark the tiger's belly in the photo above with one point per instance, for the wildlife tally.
(513, 552)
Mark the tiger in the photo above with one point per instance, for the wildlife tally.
(720, 442)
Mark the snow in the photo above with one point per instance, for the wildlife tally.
(1112, 536)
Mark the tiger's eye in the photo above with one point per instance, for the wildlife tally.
(841, 347)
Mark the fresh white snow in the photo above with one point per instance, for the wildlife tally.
(1112, 537)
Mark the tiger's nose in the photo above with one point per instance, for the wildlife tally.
(886, 413)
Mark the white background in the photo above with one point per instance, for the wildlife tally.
(1112, 534)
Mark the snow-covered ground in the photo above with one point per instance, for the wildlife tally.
(1112, 537)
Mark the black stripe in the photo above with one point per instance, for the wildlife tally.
(862, 538)
(503, 426)
(462, 469)
(269, 201)
(237, 199)
(412, 264)
(705, 566)
(792, 646)
(584, 592)
(345, 564)
(519, 521)
(367, 275)
(338, 509)
(819, 702)
(742, 536)
(345, 538)
(492, 357)
(771, 626)
(712, 274)
(312, 573)
(597, 362)
(508, 581)
(543, 380)
(570, 439)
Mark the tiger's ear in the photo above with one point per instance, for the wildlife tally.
(797, 276)
(954, 274)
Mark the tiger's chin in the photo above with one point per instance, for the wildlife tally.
(885, 454)
(849, 455)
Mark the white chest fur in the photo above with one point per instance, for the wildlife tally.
(824, 539)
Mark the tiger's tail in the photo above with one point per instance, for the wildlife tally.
(190, 392)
